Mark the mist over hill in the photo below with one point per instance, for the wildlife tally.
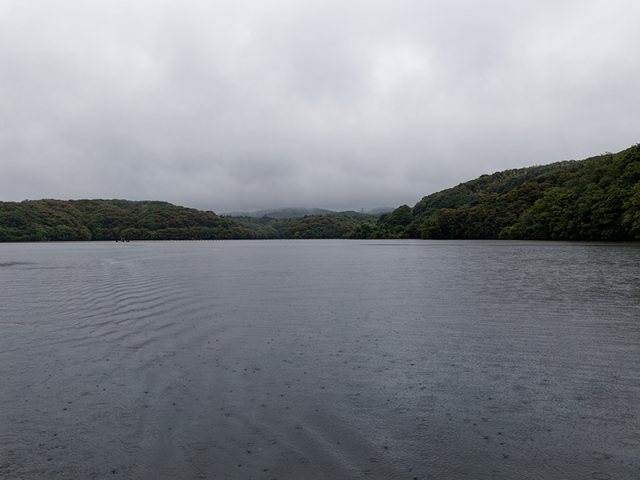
(301, 212)
(593, 199)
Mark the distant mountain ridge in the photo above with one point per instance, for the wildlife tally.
(279, 213)
(301, 212)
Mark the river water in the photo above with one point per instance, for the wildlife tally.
(320, 360)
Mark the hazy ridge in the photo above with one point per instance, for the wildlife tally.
(301, 212)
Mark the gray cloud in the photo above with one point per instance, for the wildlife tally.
(250, 104)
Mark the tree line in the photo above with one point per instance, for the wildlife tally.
(73, 220)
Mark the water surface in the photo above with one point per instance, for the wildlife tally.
(320, 359)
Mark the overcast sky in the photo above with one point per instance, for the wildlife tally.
(242, 105)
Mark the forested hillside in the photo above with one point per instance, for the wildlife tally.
(593, 199)
(44, 220)
(56, 220)
(335, 225)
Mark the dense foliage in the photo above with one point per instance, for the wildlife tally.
(44, 220)
(56, 220)
(593, 199)
(337, 225)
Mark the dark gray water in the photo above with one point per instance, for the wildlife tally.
(320, 359)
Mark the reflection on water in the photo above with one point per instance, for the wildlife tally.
(320, 359)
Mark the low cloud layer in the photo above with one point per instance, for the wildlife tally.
(242, 105)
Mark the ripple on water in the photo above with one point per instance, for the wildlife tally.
(455, 360)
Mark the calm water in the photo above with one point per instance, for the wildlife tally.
(320, 359)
